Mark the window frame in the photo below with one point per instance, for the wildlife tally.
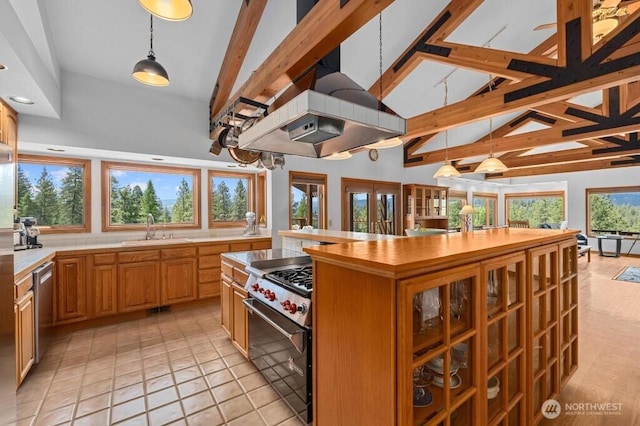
(487, 196)
(315, 179)
(251, 195)
(107, 166)
(538, 194)
(371, 187)
(86, 190)
(627, 234)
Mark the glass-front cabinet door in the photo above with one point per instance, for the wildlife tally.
(504, 297)
(439, 347)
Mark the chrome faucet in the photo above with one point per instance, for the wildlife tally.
(150, 232)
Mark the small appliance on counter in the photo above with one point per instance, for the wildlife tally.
(19, 235)
(31, 232)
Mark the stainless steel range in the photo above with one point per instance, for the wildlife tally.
(279, 306)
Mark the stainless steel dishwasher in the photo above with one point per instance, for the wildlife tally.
(43, 300)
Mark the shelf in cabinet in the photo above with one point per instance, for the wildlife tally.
(423, 414)
(423, 341)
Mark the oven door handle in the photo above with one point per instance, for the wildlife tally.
(297, 337)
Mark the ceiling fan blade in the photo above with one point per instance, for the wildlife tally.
(609, 3)
(545, 26)
(632, 7)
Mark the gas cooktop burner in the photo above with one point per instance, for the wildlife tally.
(300, 279)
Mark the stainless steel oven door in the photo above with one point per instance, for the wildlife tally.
(281, 350)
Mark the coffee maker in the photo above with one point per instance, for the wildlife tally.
(31, 232)
(19, 235)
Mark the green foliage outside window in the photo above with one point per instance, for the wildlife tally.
(537, 210)
(53, 199)
(228, 207)
(619, 211)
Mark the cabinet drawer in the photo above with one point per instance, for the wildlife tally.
(261, 245)
(240, 247)
(210, 261)
(104, 259)
(22, 286)
(240, 276)
(209, 275)
(227, 269)
(177, 253)
(213, 249)
(138, 256)
(208, 290)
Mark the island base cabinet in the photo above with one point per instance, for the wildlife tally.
(226, 303)
(240, 332)
(138, 286)
(25, 335)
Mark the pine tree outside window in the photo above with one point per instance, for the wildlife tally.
(231, 196)
(537, 207)
(56, 192)
(613, 211)
(132, 191)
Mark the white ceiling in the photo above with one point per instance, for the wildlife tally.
(105, 39)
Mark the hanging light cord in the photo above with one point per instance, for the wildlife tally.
(151, 37)
(490, 121)
(380, 47)
(446, 132)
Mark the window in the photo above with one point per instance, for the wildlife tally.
(613, 210)
(457, 199)
(536, 207)
(231, 196)
(56, 192)
(130, 192)
(485, 207)
(308, 200)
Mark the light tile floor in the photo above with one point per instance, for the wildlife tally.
(170, 368)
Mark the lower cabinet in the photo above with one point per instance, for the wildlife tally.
(106, 290)
(178, 281)
(234, 316)
(25, 335)
(138, 285)
(70, 290)
(226, 303)
(240, 320)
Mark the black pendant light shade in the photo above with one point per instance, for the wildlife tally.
(149, 71)
(171, 10)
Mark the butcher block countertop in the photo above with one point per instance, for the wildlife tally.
(333, 236)
(401, 257)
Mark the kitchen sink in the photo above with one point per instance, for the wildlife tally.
(156, 242)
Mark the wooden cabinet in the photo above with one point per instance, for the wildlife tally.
(25, 335)
(481, 335)
(9, 136)
(209, 269)
(70, 295)
(105, 289)
(425, 205)
(178, 278)
(138, 285)
(233, 314)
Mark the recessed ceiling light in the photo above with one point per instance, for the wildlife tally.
(2, 66)
(21, 100)
(157, 159)
(55, 149)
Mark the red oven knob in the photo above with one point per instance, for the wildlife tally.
(293, 308)
(255, 287)
(286, 304)
(267, 293)
(272, 296)
(261, 290)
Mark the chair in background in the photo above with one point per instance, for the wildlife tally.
(518, 223)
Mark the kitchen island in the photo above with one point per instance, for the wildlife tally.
(411, 330)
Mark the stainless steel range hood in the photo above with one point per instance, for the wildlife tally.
(338, 115)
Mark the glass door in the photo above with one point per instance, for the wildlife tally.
(307, 200)
(370, 206)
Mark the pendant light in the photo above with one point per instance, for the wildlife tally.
(338, 156)
(446, 170)
(386, 143)
(148, 71)
(491, 164)
(171, 10)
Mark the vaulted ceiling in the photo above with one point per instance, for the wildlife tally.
(543, 95)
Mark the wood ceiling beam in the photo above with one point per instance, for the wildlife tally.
(243, 32)
(483, 59)
(558, 110)
(558, 84)
(523, 141)
(319, 32)
(582, 166)
(571, 13)
(444, 24)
